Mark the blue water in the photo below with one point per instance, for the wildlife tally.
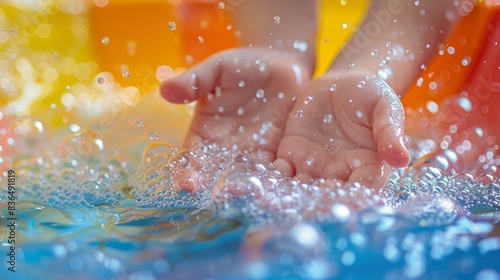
(375, 243)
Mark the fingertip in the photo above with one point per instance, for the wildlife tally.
(285, 166)
(395, 154)
(172, 91)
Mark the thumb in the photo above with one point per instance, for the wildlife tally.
(388, 129)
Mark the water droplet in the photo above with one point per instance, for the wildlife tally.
(333, 87)
(348, 258)
(241, 84)
(153, 135)
(300, 45)
(262, 67)
(200, 39)
(465, 104)
(260, 93)
(172, 25)
(281, 95)
(241, 111)
(466, 61)
(351, 65)
(308, 99)
(277, 19)
(359, 114)
(105, 40)
(221, 5)
(140, 123)
(420, 81)
(328, 118)
(299, 114)
(374, 52)
(361, 84)
(100, 80)
(432, 106)
(125, 71)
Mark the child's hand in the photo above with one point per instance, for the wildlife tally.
(243, 96)
(344, 127)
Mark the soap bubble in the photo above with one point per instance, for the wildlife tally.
(431, 210)
(157, 154)
(82, 145)
(28, 133)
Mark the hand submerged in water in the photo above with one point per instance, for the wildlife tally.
(348, 128)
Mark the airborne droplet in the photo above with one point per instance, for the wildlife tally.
(172, 25)
(153, 135)
(260, 93)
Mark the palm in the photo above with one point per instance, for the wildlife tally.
(243, 98)
(350, 129)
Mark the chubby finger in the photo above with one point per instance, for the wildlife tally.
(227, 70)
(193, 84)
(285, 166)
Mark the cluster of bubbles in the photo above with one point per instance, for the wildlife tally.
(438, 174)
(170, 177)
(233, 181)
(433, 190)
(454, 167)
(77, 172)
(261, 191)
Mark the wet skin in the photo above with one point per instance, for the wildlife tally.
(280, 112)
